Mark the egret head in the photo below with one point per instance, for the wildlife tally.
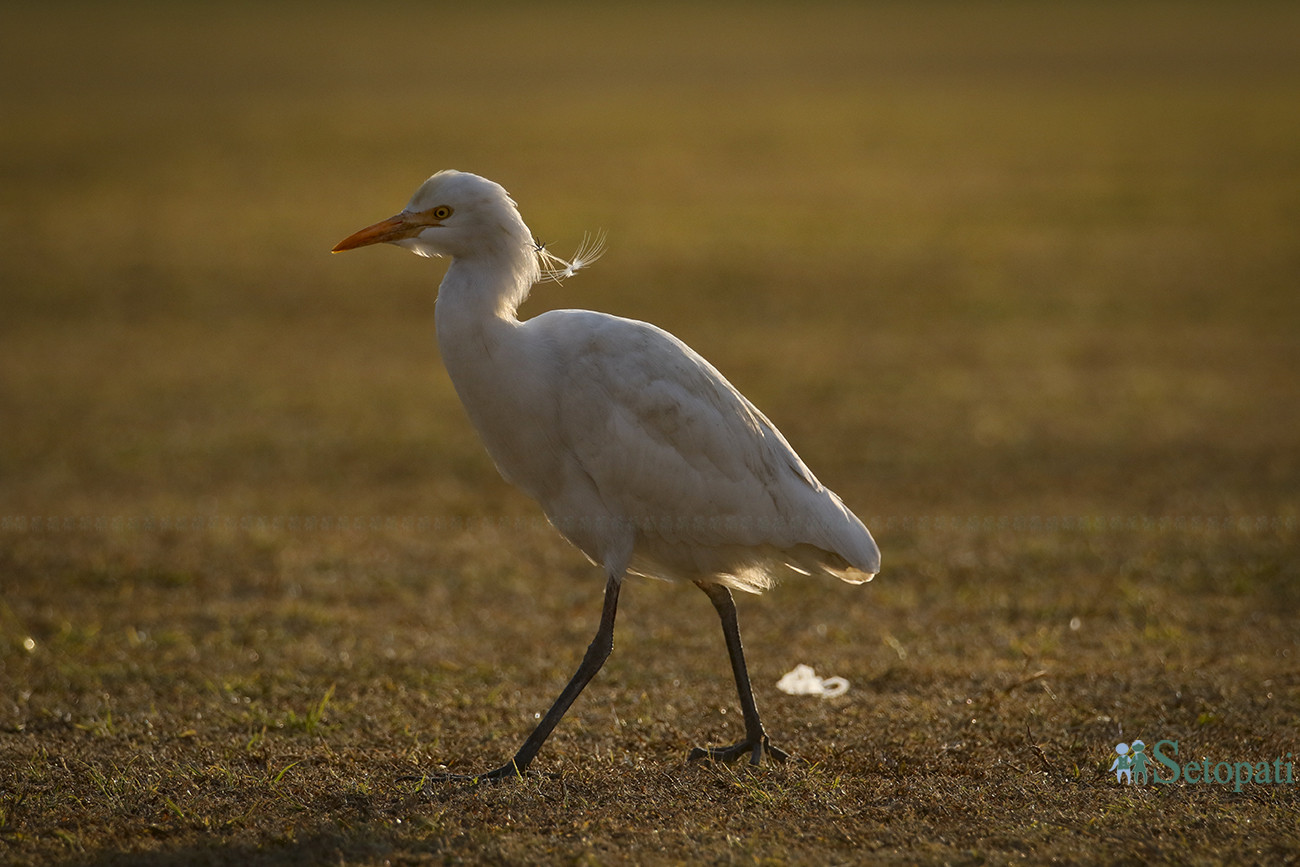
(452, 214)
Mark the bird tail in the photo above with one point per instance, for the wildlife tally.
(814, 560)
(846, 548)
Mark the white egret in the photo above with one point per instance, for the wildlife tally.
(639, 452)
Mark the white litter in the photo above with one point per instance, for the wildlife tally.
(802, 680)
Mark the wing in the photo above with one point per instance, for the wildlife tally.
(669, 446)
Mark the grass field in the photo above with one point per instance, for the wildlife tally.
(1019, 281)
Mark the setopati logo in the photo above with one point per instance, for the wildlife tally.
(1134, 765)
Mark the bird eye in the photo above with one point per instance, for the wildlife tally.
(441, 212)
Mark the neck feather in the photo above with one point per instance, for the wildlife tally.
(490, 283)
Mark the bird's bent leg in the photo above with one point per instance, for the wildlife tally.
(755, 742)
(597, 652)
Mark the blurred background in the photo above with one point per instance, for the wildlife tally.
(973, 258)
(1018, 280)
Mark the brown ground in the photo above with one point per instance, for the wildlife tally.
(1018, 281)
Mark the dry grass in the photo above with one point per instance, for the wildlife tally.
(1018, 281)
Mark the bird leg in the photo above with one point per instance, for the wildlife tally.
(755, 743)
(597, 652)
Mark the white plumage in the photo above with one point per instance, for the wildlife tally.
(639, 452)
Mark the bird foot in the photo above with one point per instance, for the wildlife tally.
(427, 781)
(754, 748)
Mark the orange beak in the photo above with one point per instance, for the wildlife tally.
(395, 228)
